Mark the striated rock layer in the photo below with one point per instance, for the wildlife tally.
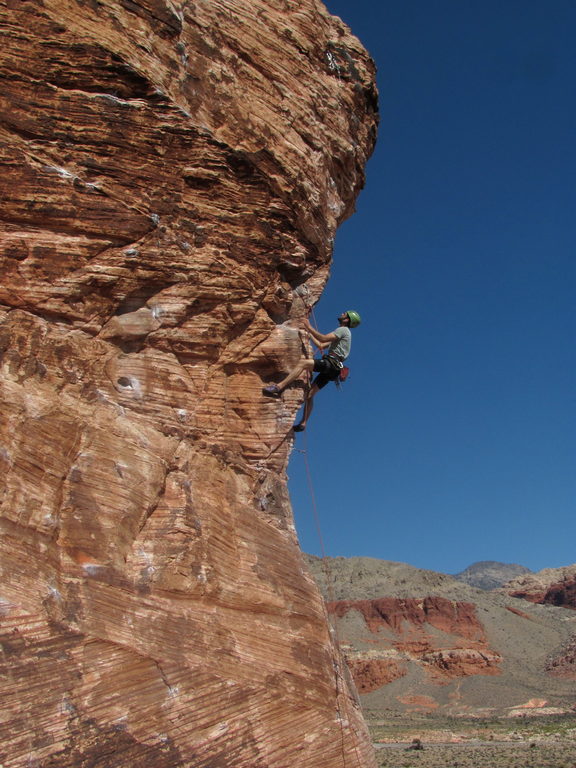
(445, 638)
(174, 173)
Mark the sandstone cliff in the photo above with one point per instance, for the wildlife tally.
(174, 173)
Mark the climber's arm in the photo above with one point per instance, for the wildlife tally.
(322, 340)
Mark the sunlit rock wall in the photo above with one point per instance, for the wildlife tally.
(550, 586)
(173, 175)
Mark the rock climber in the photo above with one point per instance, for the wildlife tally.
(338, 344)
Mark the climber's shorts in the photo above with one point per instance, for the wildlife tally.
(326, 371)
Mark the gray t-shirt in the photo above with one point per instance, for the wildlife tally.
(341, 346)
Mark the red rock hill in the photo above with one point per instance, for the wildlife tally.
(419, 641)
(551, 586)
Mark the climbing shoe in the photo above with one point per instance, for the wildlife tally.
(271, 390)
(299, 427)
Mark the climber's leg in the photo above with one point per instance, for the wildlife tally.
(275, 389)
(308, 406)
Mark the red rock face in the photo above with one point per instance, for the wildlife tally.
(174, 173)
(561, 594)
(411, 627)
(371, 674)
(398, 614)
(563, 663)
(516, 612)
(551, 586)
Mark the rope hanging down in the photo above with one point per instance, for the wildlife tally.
(330, 589)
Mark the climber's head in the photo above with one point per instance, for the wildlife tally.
(352, 317)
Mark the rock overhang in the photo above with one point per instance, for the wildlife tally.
(174, 175)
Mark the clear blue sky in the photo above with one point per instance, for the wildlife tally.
(454, 439)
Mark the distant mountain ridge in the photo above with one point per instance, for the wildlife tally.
(490, 574)
(422, 641)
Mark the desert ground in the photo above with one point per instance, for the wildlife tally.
(543, 742)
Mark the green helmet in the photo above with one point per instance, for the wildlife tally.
(354, 318)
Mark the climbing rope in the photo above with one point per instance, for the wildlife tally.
(340, 687)
(330, 589)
